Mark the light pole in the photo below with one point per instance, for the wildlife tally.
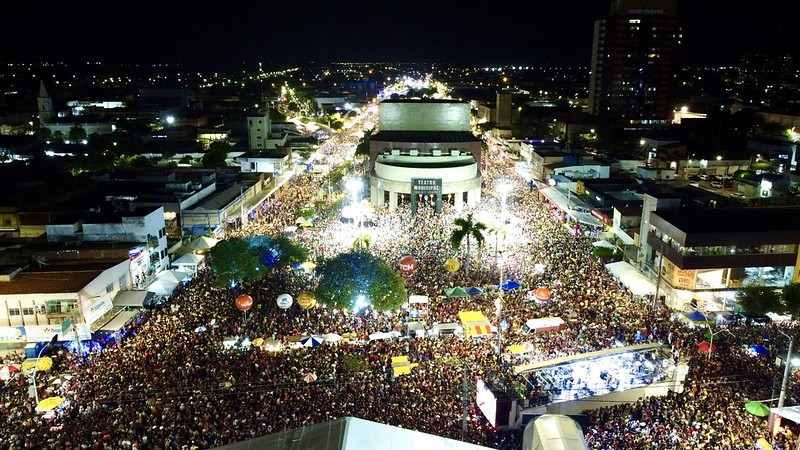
(504, 187)
(711, 340)
(354, 185)
(785, 383)
(499, 305)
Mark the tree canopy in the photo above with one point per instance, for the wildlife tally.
(791, 299)
(758, 300)
(467, 228)
(346, 277)
(232, 262)
(276, 252)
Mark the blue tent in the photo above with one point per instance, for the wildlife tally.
(695, 316)
(759, 350)
(508, 285)
(475, 290)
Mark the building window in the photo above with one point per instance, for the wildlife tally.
(13, 311)
(27, 311)
(110, 288)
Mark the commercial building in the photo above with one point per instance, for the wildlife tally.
(635, 55)
(703, 255)
(424, 153)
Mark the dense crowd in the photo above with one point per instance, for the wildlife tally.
(171, 384)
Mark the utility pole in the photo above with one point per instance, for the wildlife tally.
(787, 363)
(464, 404)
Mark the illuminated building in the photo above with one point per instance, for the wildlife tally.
(425, 147)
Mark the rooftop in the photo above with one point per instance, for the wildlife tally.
(52, 279)
(734, 220)
(425, 136)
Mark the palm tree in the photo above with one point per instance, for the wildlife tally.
(466, 227)
(362, 243)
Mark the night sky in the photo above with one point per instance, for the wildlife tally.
(296, 32)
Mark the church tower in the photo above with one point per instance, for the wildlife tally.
(46, 112)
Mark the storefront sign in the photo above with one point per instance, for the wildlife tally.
(426, 189)
(43, 333)
(679, 278)
(96, 310)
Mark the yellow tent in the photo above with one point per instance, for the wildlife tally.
(258, 341)
(401, 365)
(49, 403)
(475, 323)
(516, 349)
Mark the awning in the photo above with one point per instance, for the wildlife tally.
(567, 204)
(189, 259)
(480, 330)
(623, 236)
(133, 298)
(631, 278)
(118, 321)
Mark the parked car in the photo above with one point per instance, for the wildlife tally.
(716, 184)
(739, 196)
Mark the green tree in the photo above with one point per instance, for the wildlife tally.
(216, 155)
(277, 252)
(362, 243)
(77, 134)
(758, 300)
(604, 253)
(345, 278)
(791, 299)
(467, 227)
(232, 261)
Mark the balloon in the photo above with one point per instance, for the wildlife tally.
(284, 301)
(408, 263)
(452, 265)
(542, 294)
(306, 300)
(244, 302)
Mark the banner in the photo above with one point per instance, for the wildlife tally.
(43, 333)
(12, 335)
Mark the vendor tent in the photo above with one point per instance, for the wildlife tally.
(446, 329)
(475, 323)
(189, 263)
(167, 281)
(508, 285)
(475, 290)
(401, 366)
(202, 243)
(457, 291)
(631, 278)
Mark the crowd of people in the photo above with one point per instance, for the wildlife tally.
(171, 384)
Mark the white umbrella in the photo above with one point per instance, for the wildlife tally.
(332, 337)
(311, 341)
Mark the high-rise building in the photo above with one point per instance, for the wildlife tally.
(635, 59)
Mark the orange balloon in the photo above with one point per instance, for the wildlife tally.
(407, 263)
(244, 302)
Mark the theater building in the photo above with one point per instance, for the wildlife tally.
(424, 154)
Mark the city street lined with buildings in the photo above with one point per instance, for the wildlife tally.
(169, 382)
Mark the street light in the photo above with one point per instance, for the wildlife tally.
(785, 383)
(354, 185)
(504, 187)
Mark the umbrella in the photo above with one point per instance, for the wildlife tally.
(49, 403)
(759, 350)
(310, 377)
(332, 337)
(516, 349)
(705, 346)
(475, 290)
(757, 409)
(695, 316)
(308, 265)
(290, 229)
(508, 285)
(258, 341)
(456, 292)
(605, 244)
(311, 341)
